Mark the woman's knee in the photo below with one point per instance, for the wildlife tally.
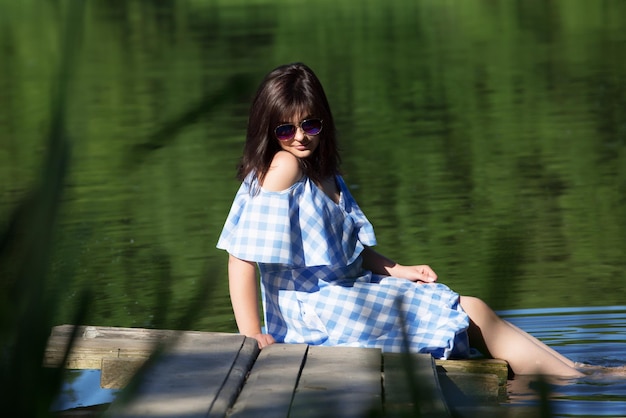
(476, 308)
(472, 302)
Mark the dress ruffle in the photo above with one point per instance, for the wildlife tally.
(297, 227)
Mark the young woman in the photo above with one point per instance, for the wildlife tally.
(322, 283)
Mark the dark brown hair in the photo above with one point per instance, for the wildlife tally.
(289, 90)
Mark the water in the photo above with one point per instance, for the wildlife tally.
(595, 337)
(485, 139)
(488, 142)
(82, 389)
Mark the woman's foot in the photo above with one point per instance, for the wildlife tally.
(592, 369)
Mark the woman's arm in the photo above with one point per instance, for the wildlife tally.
(379, 264)
(242, 283)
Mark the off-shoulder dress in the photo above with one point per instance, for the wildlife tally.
(314, 289)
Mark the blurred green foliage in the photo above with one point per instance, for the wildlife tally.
(28, 303)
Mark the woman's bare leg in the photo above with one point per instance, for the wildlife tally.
(524, 353)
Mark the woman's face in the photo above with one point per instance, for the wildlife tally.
(301, 145)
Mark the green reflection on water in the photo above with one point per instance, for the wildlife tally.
(486, 139)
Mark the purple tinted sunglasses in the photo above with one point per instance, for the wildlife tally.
(288, 130)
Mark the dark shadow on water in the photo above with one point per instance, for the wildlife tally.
(236, 86)
(505, 265)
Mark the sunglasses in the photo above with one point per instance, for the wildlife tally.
(288, 131)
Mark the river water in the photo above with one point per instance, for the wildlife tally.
(595, 337)
(485, 139)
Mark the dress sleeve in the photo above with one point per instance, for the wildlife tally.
(257, 227)
(298, 227)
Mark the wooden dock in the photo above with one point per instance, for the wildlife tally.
(205, 374)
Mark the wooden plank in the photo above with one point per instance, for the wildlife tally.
(344, 380)
(94, 343)
(117, 372)
(236, 378)
(190, 376)
(272, 381)
(516, 411)
(91, 332)
(482, 366)
(411, 386)
(88, 353)
(202, 373)
(470, 389)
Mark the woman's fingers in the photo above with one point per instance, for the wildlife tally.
(264, 340)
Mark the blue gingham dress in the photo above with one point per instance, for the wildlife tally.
(314, 290)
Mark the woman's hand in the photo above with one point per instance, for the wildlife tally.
(263, 339)
(379, 264)
(421, 273)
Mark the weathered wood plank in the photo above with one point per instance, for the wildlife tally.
(201, 374)
(115, 373)
(405, 373)
(90, 331)
(95, 343)
(88, 353)
(346, 381)
(272, 381)
(481, 366)
(470, 389)
(195, 377)
(236, 378)
(517, 411)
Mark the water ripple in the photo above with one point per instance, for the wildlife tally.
(595, 336)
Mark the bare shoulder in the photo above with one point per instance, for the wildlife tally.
(283, 173)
